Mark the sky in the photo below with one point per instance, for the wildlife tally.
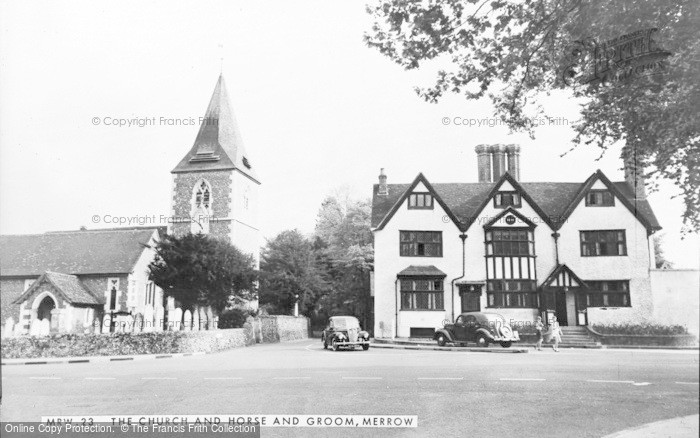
(318, 111)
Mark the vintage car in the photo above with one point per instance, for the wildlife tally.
(482, 328)
(344, 332)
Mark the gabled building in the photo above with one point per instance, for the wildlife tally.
(582, 251)
(74, 278)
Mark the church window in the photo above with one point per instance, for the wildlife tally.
(202, 197)
(201, 208)
(113, 293)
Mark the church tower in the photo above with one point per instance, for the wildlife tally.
(215, 186)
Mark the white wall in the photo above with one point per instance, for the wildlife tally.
(676, 296)
(138, 279)
(388, 263)
(245, 231)
(633, 267)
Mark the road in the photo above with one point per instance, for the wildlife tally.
(570, 393)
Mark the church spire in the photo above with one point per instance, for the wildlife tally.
(219, 145)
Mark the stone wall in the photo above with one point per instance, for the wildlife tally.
(183, 189)
(268, 329)
(120, 344)
(280, 328)
(10, 290)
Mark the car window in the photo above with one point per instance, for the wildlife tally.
(470, 320)
(460, 320)
(346, 323)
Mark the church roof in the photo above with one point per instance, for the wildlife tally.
(69, 286)
(111, 251)
(219, 145)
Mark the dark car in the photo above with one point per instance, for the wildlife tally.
(482, 328)
(344, 332)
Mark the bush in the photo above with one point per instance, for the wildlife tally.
(640, 329)
(118, 344)
(232, 318)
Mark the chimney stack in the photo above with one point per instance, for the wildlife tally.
(513, 151)
(483, 162)
(634, 172)
(499, 160)
(383, 188)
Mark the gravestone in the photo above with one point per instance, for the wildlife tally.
(97, 325)
(138, 323)
(44, 327)
(159, 317)
(195, 320)
(188, 320)
(9, 328)
(19, 330)
(34, 328)
(106, 321)
(175, 324)
(148, 323)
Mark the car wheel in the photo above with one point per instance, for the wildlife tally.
(365, 347)
(506, 344)
(482, 341)
(441, 340)
(334, 345)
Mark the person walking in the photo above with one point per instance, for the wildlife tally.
(539, 329)
(555, 333)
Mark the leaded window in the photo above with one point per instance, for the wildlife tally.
(603, 243)
(424, 293)
(421, 243)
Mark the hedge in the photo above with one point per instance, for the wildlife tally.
(640, 329)
(123, 344)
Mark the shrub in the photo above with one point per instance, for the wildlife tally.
(640, 329)
(232, 318)
(117, 344)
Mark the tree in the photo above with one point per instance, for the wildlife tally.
(511, 51)
(659, 256)
(345, 243)
(200, 271)
(289, 268)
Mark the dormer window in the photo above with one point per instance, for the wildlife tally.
(507, 199)
(420, 201)
(600, 198)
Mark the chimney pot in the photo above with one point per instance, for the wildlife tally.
(513, 151)
(383, 187)
(483, 160)
(499, 160)
(634, 173)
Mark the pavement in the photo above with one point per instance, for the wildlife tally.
(683, 427)
(587, 393)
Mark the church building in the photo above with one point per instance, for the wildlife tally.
(65, 281)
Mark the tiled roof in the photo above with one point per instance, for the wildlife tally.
(73, 252)
(69, 286)
(219, 145)
(421, 271)
(466, 199)
(72, 288)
